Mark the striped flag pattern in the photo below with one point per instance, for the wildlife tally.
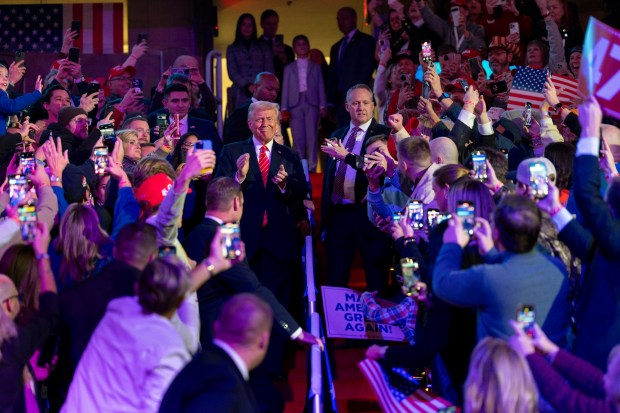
(41, 27)
(398, 392)
(528, 85)
(102, 26)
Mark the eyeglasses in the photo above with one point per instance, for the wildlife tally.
(87, 121)
(187, 145)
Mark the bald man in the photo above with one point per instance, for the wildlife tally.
(218, 377)
(444, 151)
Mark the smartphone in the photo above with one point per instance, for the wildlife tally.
(405, 80)
(28, 221)
(162, 122)
(76, 25)
(107, 130)
(74, 55)
(526, 317)
(27, 161)
(427, 51)
(474, 67)
(142, 37)
(167, 251)
(432, 217)
(93, 87)
(137, 85)
(409, 269)
(514, 27)
(48, 350)
(464, 85)
(279, 39)
(101, 159)
(528, 114)
(443, 217)
(539, 182)
(230, 241)
(204, 145)
(426, 90)
(19, 56)
(385, 44)
(396, 216)
(498, 87)
(415, 214)
(18, 189)
(479, 164)
(466, 212)
(455, 12)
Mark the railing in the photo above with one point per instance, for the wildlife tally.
(315, 390)
(213, 69)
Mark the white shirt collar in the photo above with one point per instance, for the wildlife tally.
(216, 219)
(364, 126)
(243, 368)
(258, 144)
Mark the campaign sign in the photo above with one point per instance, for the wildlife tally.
(600, 66)
(344, 317)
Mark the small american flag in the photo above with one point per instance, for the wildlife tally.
(398, 391)
(41, 27)
(528, 85)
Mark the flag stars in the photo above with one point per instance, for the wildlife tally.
(48, 32)
(27, 25)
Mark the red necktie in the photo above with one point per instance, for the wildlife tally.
(263, 165)
(338, 191)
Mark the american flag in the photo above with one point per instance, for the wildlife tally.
(528, 85)
(40, 27)
(398, 392)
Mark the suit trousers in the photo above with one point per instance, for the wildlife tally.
(304, 126)
(349, 231)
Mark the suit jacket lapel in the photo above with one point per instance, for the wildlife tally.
(276, 159)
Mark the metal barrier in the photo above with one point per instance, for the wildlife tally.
(213, 71)
(315, 390)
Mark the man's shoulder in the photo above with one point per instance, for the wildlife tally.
(363, 36)
(196, 121)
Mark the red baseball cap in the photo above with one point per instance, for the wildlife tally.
(469, 53)
(119, 70)
(153, 190)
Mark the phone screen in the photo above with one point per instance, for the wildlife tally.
(230, 241)
(101, 159)
(538, 180)
(466, 212)
(415, 213)
(528, 114)
(526, 317)
(498, 87)
(432, 217)
(27, 161)
(28, 221)
(409, 268)
(162, 122)
(478, 160)
(427, 52)
(18, 188)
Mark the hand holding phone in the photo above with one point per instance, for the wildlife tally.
(230, 239)
(466, 213)
(526, 317)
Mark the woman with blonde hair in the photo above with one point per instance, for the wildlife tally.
(131, 149)
(499, 380)
(83, 245)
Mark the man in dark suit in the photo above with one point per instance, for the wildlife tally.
(597, 242)
(271, 194)
(216, 380)
(83, 305)
(225, 204)
(352, 61)
(346, 228)
(177, 101)
(266, 88)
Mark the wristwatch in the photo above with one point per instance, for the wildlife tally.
(55, 178)
(558, 106)
(443, 96)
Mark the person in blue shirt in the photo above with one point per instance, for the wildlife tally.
(9, 106)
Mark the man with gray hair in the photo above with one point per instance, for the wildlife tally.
(273, 185)
(218, 377)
